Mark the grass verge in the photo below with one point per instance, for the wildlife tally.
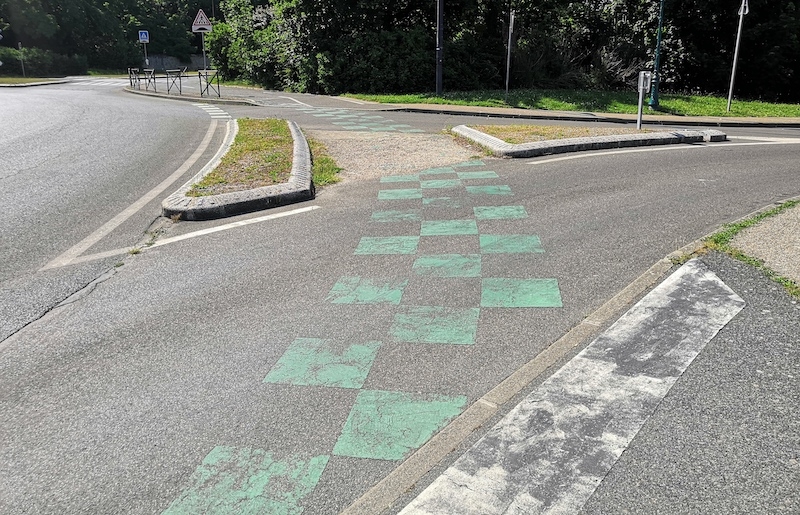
(324, 170)
(622, 102)
(261, 155)
(516, 134)
(24, 80)
(721, 241)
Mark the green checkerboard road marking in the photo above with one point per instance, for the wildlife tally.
(509, 244)
(387, 245)
(477, 175)
(442, 202)
(355, 290)
(500, 212)
(411, 130)
(396, 216)
(401, 194)
(440, 183)
(317, 362)
(400, 178)
(448, 227)
(489, 190)
(243, 480)
(388, 425)
(449, 265)
(433, 324)
(436, 171)
(355, 127)
(470, 163)
(520, 293)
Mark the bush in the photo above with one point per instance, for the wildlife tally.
(40, 63)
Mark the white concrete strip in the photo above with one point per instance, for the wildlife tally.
(189, 235)
(550, 452)
(67, 257)
(667, 148)
(295, 100)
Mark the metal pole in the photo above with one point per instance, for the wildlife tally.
(736, 54)
(21, 58)
(146, 60)
(656, 75)
(439, 44)
(508, 59)
(203, 36)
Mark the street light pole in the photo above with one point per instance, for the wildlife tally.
(744, 9)
(656, 75)
(439, 44)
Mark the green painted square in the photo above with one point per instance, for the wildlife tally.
(510, 244)
(449, 227)
(470, 163)
(477, 175)
(437, 171)
(520, 293)
(449, 265)
(396, 216)
(388, 425)
(387, 245)
(244, 480)
(316, 362)
(433, 324)
(355, 127)
(355, 290)
(400, 194)
(442, 202)
(500, 212)
(400, 178)
(489, 190)
(440, 183)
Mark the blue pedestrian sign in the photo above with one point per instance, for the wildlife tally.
(144, 36)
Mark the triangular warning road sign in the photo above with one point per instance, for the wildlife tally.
(201, 22)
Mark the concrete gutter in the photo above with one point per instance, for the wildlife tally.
(300, 187)
(500, 148)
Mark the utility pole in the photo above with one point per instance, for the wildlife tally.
(744, 9)
(21, 58)
(439, 44)
(508, 59)
(656, 74)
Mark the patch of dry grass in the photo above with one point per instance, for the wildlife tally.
(516, 134)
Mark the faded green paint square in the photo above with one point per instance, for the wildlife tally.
(500, 212)
(510, 244)
(400, 178)
(440, 183)
(433, 324)
(388, 425)
(449, 265)
(489, 190)
(356, 290)
(470, 163)
(317, 362)
(387, 245)
(396, 216)
(477, 175)
(442, 202)
(400, 194)
(244, 480)
(449, 227)
(520, 293)
(437, 171)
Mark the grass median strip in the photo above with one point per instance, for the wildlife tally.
(516, 134)
(261, 155)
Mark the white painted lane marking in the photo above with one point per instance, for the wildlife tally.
(665, 148)
(549, 454)
(105, 229)
(351, 100)
(295, 100)
(195, 234)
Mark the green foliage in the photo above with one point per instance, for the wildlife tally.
(40, 63)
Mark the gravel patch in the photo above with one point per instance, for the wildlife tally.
(373, 155)
(775, 241)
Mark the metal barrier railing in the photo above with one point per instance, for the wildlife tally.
(207, 78)
(174, 80)
(150, 79)
(133, 78)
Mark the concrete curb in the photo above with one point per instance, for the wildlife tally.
(500, 148)
(194, 98)
(300, 187)
(30, 84)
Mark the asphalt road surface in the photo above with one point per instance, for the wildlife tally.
(292, 362)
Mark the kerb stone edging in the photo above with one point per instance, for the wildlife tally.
(500, 148)
(298, 188)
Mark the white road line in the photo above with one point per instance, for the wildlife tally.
(549, 454)
(664, 148)
(195, 234)
(295, 100)
(351, 100)
(67, 257)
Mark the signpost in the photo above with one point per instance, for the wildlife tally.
(202, 25)
(144, 39)
(508, 59)
(644, 85)
(744, 9)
